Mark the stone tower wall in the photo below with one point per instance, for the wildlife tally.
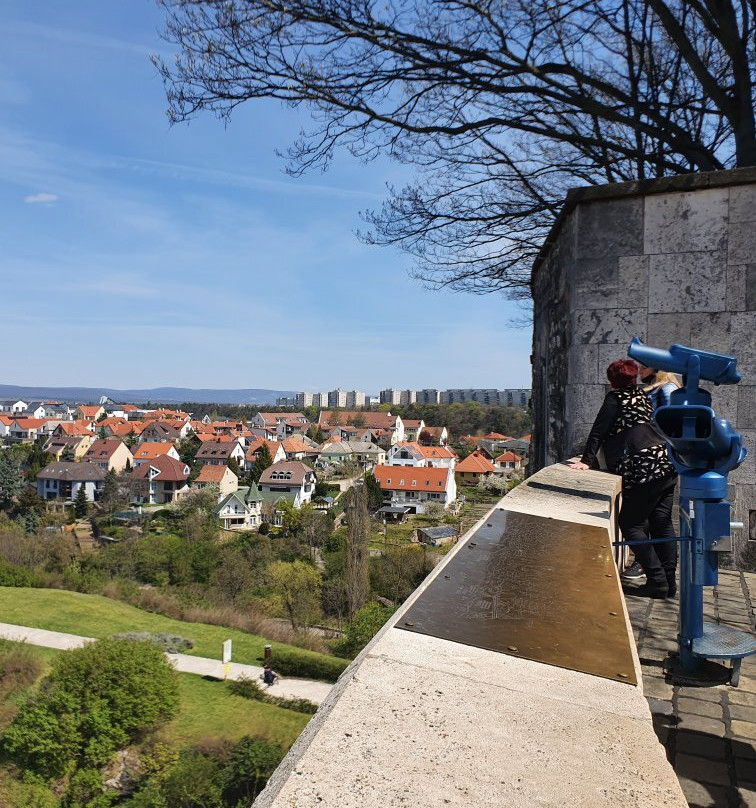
(670, 260)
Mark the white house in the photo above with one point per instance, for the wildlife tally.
(160, 481)
(415, 487)
(63, 480)
(413, 454)
(289, 477)
(241, 509)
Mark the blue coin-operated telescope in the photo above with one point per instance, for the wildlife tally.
(703, 449)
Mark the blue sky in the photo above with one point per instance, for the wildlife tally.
(134, 254)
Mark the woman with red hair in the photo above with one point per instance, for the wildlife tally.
(635, 450)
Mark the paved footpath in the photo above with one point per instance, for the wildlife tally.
(709, 732)
(289, 688)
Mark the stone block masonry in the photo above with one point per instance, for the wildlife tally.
(669, 260)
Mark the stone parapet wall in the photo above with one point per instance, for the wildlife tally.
(421, 721)
(669, 261)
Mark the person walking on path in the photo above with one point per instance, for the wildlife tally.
(636, 451)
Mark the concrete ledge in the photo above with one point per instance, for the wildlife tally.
(420, 721)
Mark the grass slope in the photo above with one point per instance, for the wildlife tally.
(99, 617)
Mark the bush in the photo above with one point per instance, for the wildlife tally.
(365, 624)
(251, 762)
(97, 699)
(264, 529)
(307, 665)
(250, 689)
(170, 643)
(15, 576)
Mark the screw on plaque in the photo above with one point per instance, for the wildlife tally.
(407, 623)
(472, 544)
(512, 648)
(447, 576)
(613, 614)
(623, 676)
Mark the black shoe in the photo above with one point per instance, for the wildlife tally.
(648, 590)
(633, 572)
(671, 587)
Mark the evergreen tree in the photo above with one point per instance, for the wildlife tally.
(81, 506)
(111, 491)
(234, 466)
(67, 455)
(262, 462)
(374, 493)
(10, 480)
(357, 556)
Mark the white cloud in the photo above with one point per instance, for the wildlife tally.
(43, 198)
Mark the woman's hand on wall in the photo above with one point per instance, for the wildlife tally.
(578, 466)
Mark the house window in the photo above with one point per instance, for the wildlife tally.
(414, 482)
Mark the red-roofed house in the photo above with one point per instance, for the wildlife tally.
(391, 425)
(218, 454)
(149, 450)
(160, 481)
(88, 412)
(222, 476)
(296, 449)
(509, 461)
(412, 428)
(434, 434)
(415, 487)
(110, 454)
(276, 449)
(26, 430)
(74, 428)
(5, 424)
(474, 467)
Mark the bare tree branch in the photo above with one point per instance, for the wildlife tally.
(500, 105)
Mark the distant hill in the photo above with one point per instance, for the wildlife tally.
(159, 395)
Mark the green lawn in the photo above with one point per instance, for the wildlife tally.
(208, 709)
(98, 617)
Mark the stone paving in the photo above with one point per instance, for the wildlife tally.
(709, 732)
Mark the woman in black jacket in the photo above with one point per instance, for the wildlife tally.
(635, 450)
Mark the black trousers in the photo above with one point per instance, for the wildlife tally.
(647, 513)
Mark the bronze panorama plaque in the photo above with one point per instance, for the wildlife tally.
(532, 587)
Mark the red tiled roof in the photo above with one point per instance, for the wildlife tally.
(212, 474)
(496, 436)
(508, 457)
(369, 420)
(30, 423)
(89, 410)
(257, 443)
(74, 427)
(408, 478)
(126, 428)
(169, 470)
(151, 449)
(475, 463)
(105, 447)
(292, 445)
